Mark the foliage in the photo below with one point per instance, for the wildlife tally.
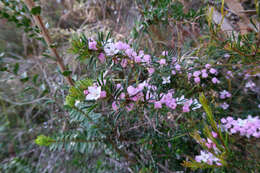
(152, 103)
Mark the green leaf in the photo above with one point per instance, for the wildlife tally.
(36, 10)
(208, 111)
(257, 8)
(24, 79)
(205, 105)
(66, 73)
(43, 140)
(16, 68)
(54, 45)
(3, 69)
(77, 92)
(35, 77)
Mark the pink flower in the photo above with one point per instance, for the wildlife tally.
(213, 71)
(177, 67)
(189, 76)
(114, 106)
(174, 59)
(121, 46)
(171, 104)
(206, 157)
(219, 164)
(207, 66)
(232, 131)
(134, 54)
(208, 145)
(93, 92)
(223, 120)
(141, 53)
(196, 73)
(137, 97)
(101, 57)
(137, 59)
(141, 86)
(92, 45)
(165, 53)
(204, 75)
(198, 159)
(132, 90)
(124, 63)
(166, 97)
(151, 71)
(230, 74)
(224, 94)
(214, 134)
(226, 55)
(119, 86)
(169, 145)
(129, 52)
(157, 105)
(224, 106)
(122, 96)
(230, 119)
(185, 108)
(130, 107)
(173, 72)
(215, 80)
(103, 94)
(147, 58)
(204, 71)
(162, 61)
(86, 92)
(166, 80)
(228, 95)
(197, 80)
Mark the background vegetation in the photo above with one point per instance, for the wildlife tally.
(41, 129)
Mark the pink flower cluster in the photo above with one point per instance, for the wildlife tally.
(94, 92)
(92, 44)
(249, 127)
(186, 106)
(111, 49)
(204, 73)
(224, 94)
(207, 157)
(135, 93)
(210, 144)
(166, 99)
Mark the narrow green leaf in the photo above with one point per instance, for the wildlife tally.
(43, 140)
(16, 68)
(3, 69)
(66, 73)
(36, 10)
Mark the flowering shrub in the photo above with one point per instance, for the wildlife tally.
(142, 99)
(249, 127)
(147, 81)
(146, 110)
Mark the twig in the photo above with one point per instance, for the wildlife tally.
(164, 168)
(24, 103)
(47, 38)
